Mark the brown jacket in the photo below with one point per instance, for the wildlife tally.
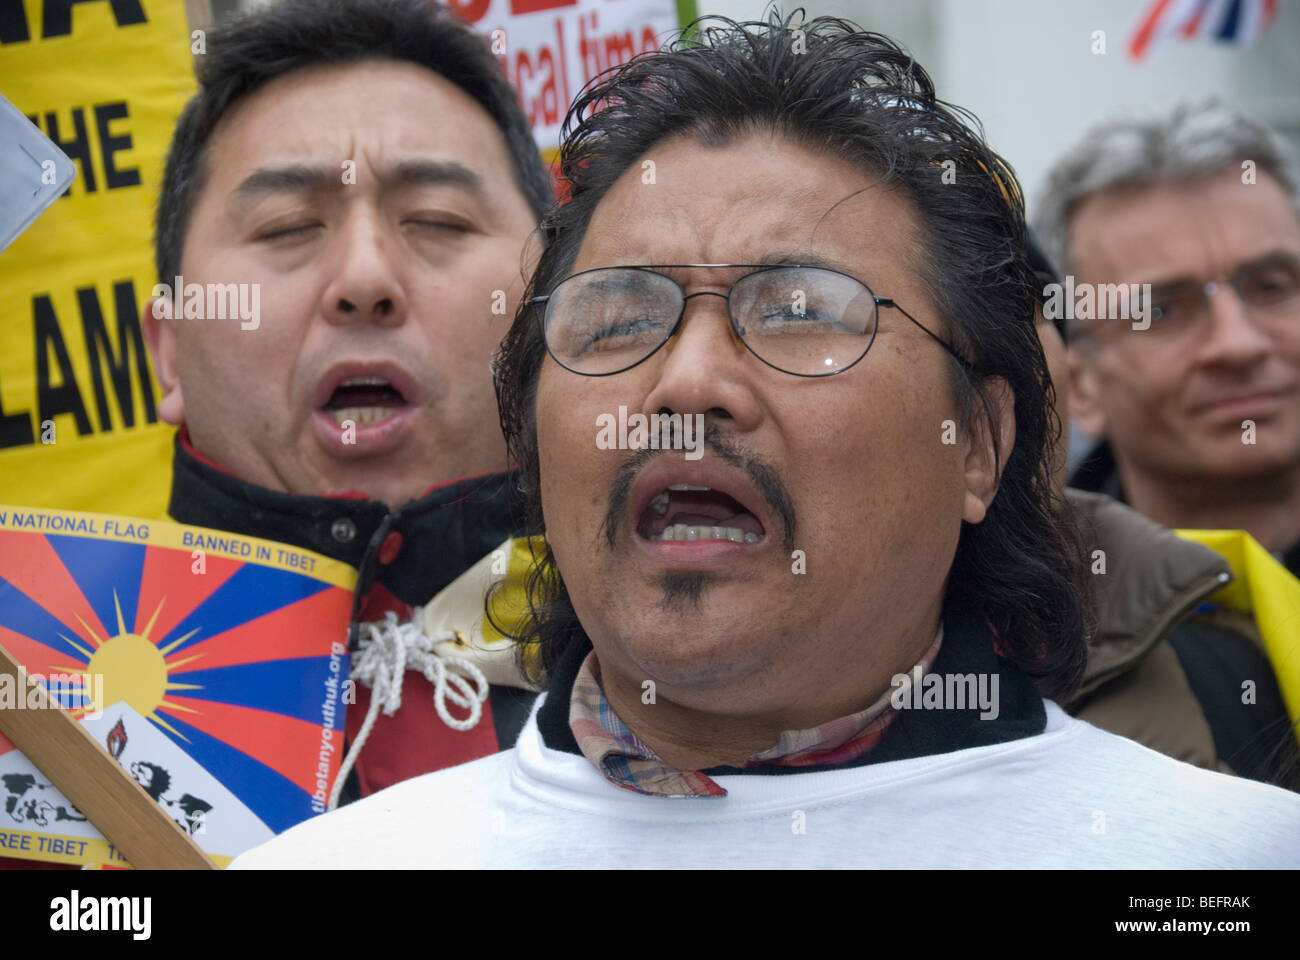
(1135, 685)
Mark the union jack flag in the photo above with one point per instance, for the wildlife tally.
(1239, 22)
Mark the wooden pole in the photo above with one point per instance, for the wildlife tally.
(96, 784)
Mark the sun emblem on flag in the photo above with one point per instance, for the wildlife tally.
(134, 668)
(230, 663)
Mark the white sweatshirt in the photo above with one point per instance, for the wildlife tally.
(1072, 796)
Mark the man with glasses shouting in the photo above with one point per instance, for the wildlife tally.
(828, 641)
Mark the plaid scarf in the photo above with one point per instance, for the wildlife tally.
(625, 761)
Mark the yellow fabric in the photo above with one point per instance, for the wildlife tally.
(509, 600)
(509, 603)
(1268, 591)
(79, 427)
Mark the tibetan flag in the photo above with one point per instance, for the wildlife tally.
(213, 667)
(1239, 22)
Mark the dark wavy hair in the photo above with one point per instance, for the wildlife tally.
(856, 96)
(289, 35)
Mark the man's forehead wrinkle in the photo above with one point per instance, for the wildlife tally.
(762, 234)
(1146, 255)
(1167, 257)
(763, 218)
(863, 194)
(295, 161)
(1258, 255)
(1106, 250)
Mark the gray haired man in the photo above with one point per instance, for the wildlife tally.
(1199, 402)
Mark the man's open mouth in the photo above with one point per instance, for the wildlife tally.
(684, 511)
(364, 400)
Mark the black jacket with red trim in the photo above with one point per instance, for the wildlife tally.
(403, 558)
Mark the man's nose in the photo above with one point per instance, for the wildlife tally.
(365, 287)
(704, 368)
(1231, 334)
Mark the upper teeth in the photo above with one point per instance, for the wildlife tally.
(683, 531)
(360, 415)
(364, 382)
(686, 486)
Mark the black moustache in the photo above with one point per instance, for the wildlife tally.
(761, 474)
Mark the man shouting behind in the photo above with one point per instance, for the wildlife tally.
(826, 641)
(366, 173)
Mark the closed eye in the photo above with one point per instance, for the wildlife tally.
(439, 225)
(281, 233)
(633, 327)
(622, 335)
(787, 319)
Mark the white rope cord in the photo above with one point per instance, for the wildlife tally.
(384, 653)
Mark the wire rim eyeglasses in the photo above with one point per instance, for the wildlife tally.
(803, 320)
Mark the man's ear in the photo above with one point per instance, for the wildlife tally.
(1085, 396)
(983, 458)
(160, 334)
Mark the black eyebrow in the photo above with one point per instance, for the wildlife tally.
(300, 178)
(435, 173)
(1274, 258)
(290, 178)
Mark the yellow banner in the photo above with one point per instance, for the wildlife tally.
(1268, 590)
(89, 853)
(175, 536)
(79, 426)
